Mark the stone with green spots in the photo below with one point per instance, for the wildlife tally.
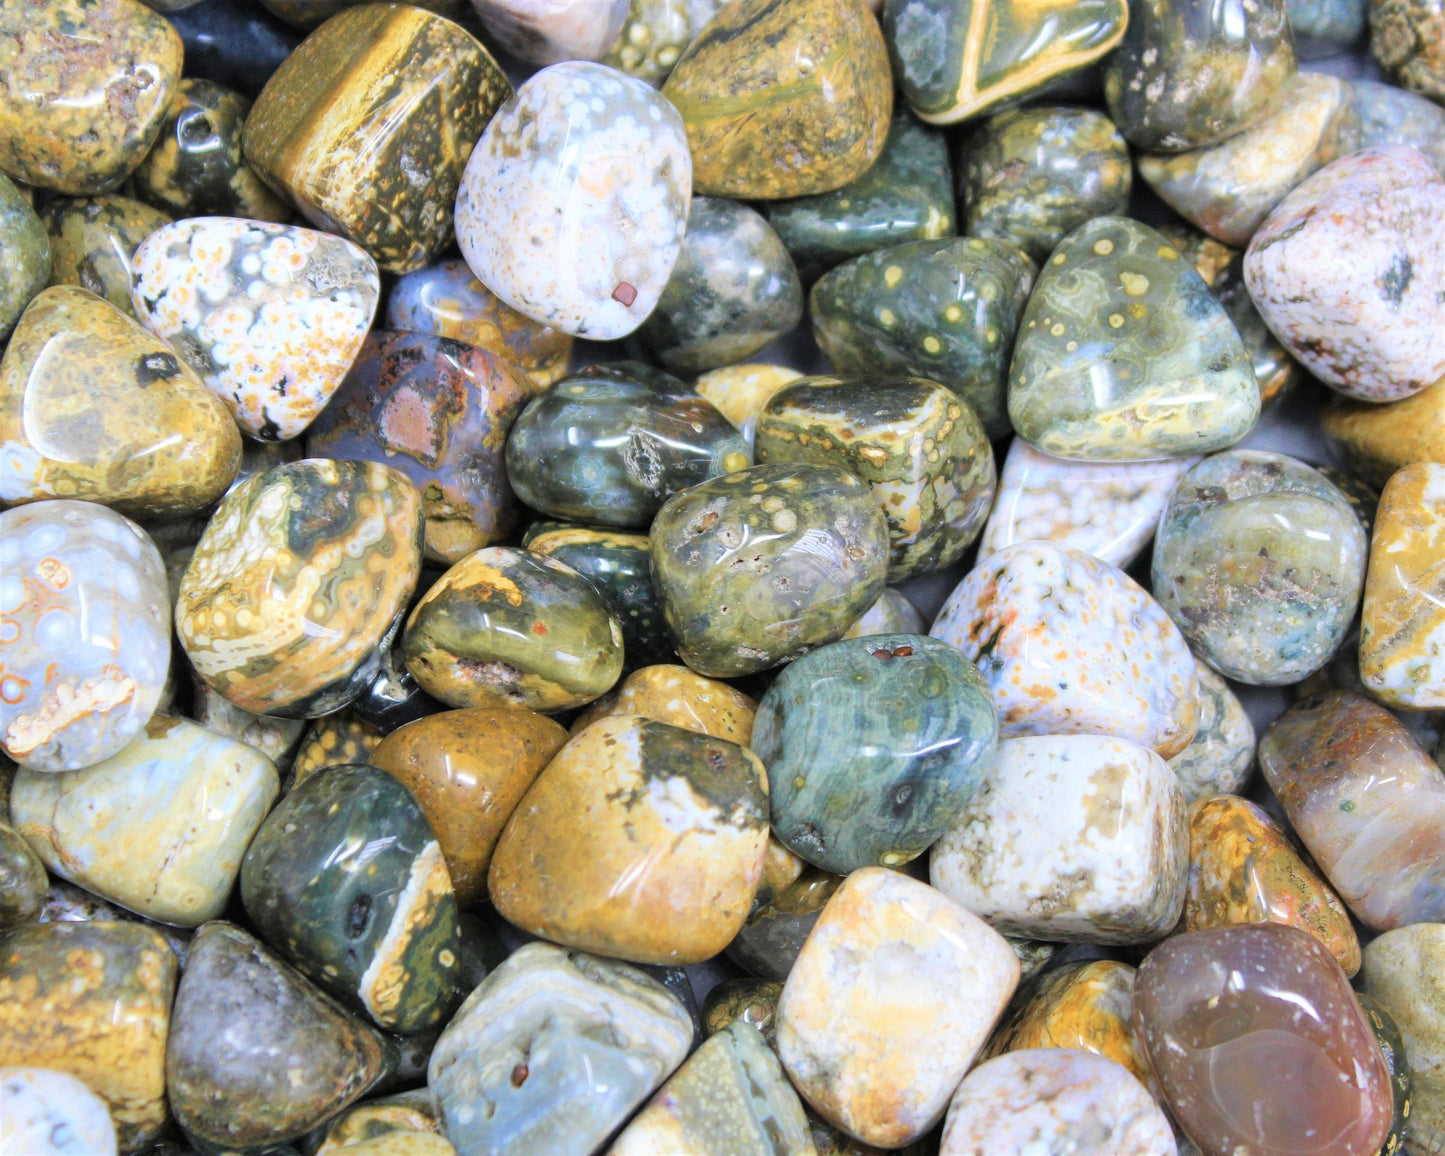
(345, 879)
(24, 255)
(761, 566)
(651, 40)
(1124, 354)
(92, 240)
(945, 310)
(917, 445)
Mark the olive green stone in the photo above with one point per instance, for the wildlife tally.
(24, 255)
(1124, 354)
(1407, 37)
(652, 38)
(92, 240)
(770, 940)
(22, 878)
(750, 1001)
(918, 446)
(760, 566)
(944, 310)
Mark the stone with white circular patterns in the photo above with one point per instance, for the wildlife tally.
(49, 1113)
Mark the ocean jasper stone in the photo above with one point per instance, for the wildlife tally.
(1124, 354)
(276, 738)
(681, 697)
(552, 31)
(367, 125)
(1325, 27)
(1402, 643)
(439, 412)
(943, 310)
(608, 448)
(579, 238)
(733, 290)
(1367, 802)
(346, 880)
(87, 86)
(769, 942)
(892, 997)
(639, 840)
(891, 614)
(1114, 663)
(338, 738)
(270, 316)
(1260, 561)
(84, 633)
(954, 61)
(159, 827)
(1401, 975)
(406, 1124)
(1193, 74)
(783, 99)
(47, 1113)
(506, 627)
(1375, 440)
(92, 1000)
(1034, 175)
(448, 300)
(257, 1055)
(92, 242)
(299, 579)
(1392, 116)
(907, 195)
(1219, 1012)
(1392, 1046)
(92, 406)
(23, 880)
(740, 589)
(652, 38)
(1407, 38)
(753, 1002)
(1070, 838)
(917, 445)
(873, 747)
(1220, 756)
(24, 255)
(741, 391)
(233, 42)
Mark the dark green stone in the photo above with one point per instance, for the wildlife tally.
(770, 940)
(945, 310)
(1364, 499)
(1325, 27)
(92, 240)
(1390, 115)
(24, 255)
(22, 879)
(345, 879)
(1392, 1046)
(751, 1001)
(760, 566)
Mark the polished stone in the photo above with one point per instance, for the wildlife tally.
(1375, 440)
(24, 255)
(276, 738)
(1407, 38)
(769, 942)
(681, 697)
(551, 31)
(1392, 1046)
(405, 1124)
(753, 1002)
(92, 242)
(891, 614)
(48, 1113)
(23, 881)
(1220, 756)
(741, 391)
(1325, 27)
(1392, 116)
(653, 36)
(333, 741)
(233, 42)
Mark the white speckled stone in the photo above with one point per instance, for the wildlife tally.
(1071, 838)
(1070, 645)
(47, 1113)
(1218, 759)
(551, 31)
(574, 202)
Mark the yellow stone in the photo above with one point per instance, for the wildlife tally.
(682, 697)
(1379, 439)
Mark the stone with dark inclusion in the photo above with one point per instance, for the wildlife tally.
(92, 240)
(1407, 37)
(333, 741)
(1325, 27)
(22, 878)
(24, 255)
(393, 698)
(750, 1001)
(769, 942)
(233, 42)
(1397, 1060)
(1390, 115)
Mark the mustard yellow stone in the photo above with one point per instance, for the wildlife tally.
(741, 391)
(1376, 440)
(331, 742)
(682, 697)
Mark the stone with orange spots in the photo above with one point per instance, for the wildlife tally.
(682, 697)
(333, 741)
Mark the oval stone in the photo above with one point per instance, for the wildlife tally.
(549, 31)
(47, 1113)
(1390, 115)
(1220, 756)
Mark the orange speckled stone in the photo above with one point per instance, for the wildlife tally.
(682, 697)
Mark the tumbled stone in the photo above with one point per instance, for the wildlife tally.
(276, 738)
(1220, 756)
(1407, 38)
(653, 36)
(233, 42)
(24, 255)
(394, 698)
(1392, 116)
(1392, 1046)
(406, 1124)
(776, 929)
(740, 391)
(753, 1002)
(891, 614)
(681, 697)
(48, 1113)
(93, 241)
(333, 741)
(23, 881)
(1375, 440)
(1325, 27)
(549, 31)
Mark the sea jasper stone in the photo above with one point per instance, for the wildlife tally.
(300, 576)
(257, 1055)
(233, 42)
(1366, 801)
(753, 1002)
(639, 840)
(1407, 37)
(438, 411)
(1124, 354)
(681, 697)
(276, 738)
(1034, 175)
(92, 1000)
(506, 627)
(891, 614)
(1392, 1046)
(93, 406)
(769, 943)
(579, 238)
(159, 827)
(1241, 1067)
(1390, 115)
(92, 242)
(339, 738)
(943, 310)
(85, 640)
(345, 878)
(24, 255)
(1113, 662)
(954, 61)
(652, 38)
(23, 881)
(783, 100)
(1402, 645)
(1260, 561)
(270, 316)
(405, 1124)
(551, 31)
(1220, 756)
(917, 445)
(711, 545)
(88, 84)
(1375, 440)
(741, 391)
(875, 1053)
(1325, 27)
(49, 1113)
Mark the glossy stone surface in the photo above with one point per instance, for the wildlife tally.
(92, 242)
(270, 316)
(47, 1113)
(550, 31)
(677, 695)
(1220, 1015)
(1325, 27)
(891, 614)
(873, 1053)
(1069, 645)
(92, 1000)
(1366, 801)
(23, 880)
(506, 627)
(1402, 972)
(86, 640)
(608, 448)
(1407, 38)
(88, 83)
(1390, 115)
(554, 1050)
(1260, 561)
(917, 445)
(652, 38)
(575, 216)
(332, 741)
(448, 300)
(753, 1002)
(769, 943)
(943, 310)
(301, 574)
(741, 391)
(639, 840)
(257, 1055)
(1125, 355)
(1392, 1046)
(1375, 440)
(405, 1124)
(24, 255)
(1032, 176)
(723, 621)
(1220, 756)
(233, 42)
(783, 99)
(276, 738)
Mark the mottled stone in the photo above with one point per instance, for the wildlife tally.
(1220, 756)
(1407, 38)
(1392, 1046)
(1325, 27)
(769, 942)
(47, 1113)
(1392, 116)
(652, 38)
(741, 391)
(276, 738)
(891, 614)
(92, 242)
(333, 741)
(1402, 972)
(23, 880)
(681, 697)
(24, 255)
(753, 1002)
(552, 31)
(1375, 440)
(233, 42)
(406, 1124)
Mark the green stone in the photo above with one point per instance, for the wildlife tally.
(1124, 354)
(92, 240)
(651, 40)
(24, 255)
(769, 942)
(1390, 115)
(944, 310)
(22, 878)
(750, 1001)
